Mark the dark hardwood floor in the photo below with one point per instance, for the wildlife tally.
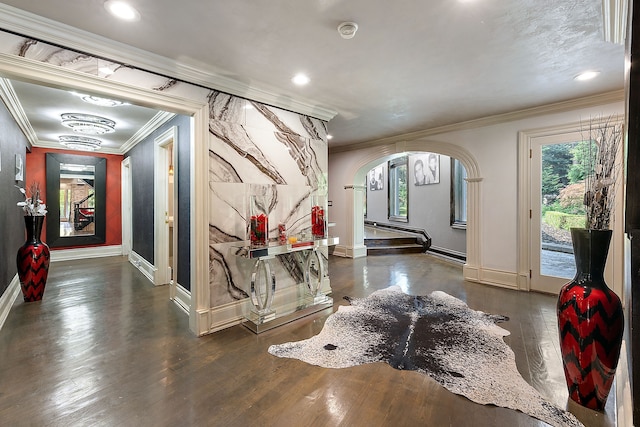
(106, 348)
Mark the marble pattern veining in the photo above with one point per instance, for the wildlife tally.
(253, 149)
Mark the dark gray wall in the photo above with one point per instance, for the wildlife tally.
(142, 178)
(12, 236)
(183, 211)
(142, 188)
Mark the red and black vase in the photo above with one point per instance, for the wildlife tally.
(33, 261)
(590, 321)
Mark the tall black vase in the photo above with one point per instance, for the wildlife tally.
(590, 321)
(33, 260)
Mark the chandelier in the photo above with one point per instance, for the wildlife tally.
(99, 101)
(80, 142)
(88, 124)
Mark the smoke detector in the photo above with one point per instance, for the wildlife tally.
(347, 30)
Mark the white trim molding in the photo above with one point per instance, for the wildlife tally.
(487, 276)
(84, 253)
(57, 33)
(559, 107)
(8, 298)
(182, 298)
(235, 312)
(354, 244)
(552, 135)
(199, 319)
(10, 98)
(614, 20)
(145, 267)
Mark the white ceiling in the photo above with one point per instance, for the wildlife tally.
(43, 106)
(413, 64)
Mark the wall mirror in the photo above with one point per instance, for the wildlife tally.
(76, 190)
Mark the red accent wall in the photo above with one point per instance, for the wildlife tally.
(35, 171)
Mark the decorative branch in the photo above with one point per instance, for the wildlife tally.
(602, 171)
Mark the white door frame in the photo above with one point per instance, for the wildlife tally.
(126, 207)
(36, 72)
(162, 161)
(528, 140)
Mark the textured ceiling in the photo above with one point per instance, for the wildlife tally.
(412, 65)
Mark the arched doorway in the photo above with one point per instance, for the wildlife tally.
(355, 193)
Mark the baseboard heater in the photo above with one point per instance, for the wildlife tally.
(457, 256)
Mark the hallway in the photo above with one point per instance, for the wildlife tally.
(106, 348)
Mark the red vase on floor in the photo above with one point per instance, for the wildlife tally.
(590, 321)
(33, 261)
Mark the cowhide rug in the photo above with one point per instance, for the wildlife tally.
(438, 335)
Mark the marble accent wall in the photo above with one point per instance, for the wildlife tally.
(260, 150)
(253, 149)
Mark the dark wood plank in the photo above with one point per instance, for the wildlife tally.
(105, 347)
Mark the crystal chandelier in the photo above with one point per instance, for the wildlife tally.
(88, 124)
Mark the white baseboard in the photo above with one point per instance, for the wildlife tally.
(350, 252)
(340, 251)
(8, 298)
(83, 253)
(182, 298)
(285, 301)
(227, 315)
(624, 398)
(143, 265)
(486, 276)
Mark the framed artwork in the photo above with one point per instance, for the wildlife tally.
(376, 178)
(19, 168)
(426, 169)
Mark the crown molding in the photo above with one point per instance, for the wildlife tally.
(156, 121)
(614, 20)
(10, 98)
(31, 25)
(558, 107)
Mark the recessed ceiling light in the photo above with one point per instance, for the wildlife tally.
(587, 75)
(300, 79)
(329, 136)
(99, 101)
(122, 10)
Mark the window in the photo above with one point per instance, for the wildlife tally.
(398, 192)
(458, 195)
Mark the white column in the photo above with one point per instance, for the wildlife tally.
(471, 269)
(355, 247)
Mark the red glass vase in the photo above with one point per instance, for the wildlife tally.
(590, 322)
(33, 261)
(318, 217)
(258, 221)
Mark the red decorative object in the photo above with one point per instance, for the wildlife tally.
(590, 321)
(282, 233)
(317, 222)
(33, 261)
(259, 229)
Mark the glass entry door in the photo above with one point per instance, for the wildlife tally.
(557, 189)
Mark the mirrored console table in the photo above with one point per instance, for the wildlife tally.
(309, 297)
